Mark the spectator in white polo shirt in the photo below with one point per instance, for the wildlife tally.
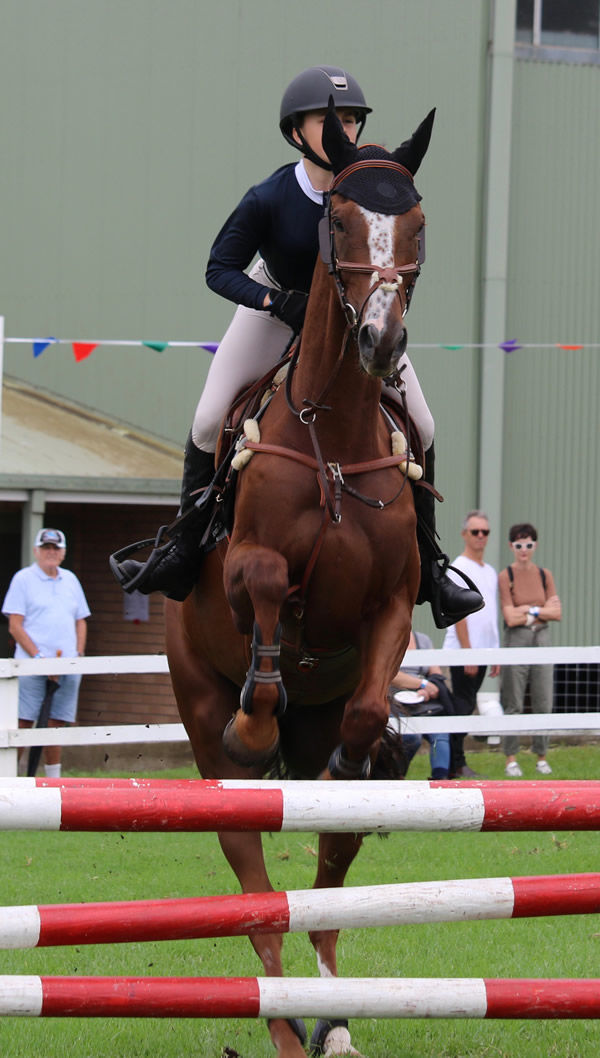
(47, 611)
(477, 630)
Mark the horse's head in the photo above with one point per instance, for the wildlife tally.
(374, 238)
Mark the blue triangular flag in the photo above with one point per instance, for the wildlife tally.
(41, 344)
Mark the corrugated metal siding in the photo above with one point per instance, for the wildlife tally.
(551, 439)
(135, 128)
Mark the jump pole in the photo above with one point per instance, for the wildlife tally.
(110, 783)
(228, 805)
(298, 911)
(107, 782)
(275, 997)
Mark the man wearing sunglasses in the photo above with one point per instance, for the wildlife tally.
(477, 630)
(529, 601)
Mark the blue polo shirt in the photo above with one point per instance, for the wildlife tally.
(50, 607)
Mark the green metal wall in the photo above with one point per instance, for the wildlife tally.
(135, 126)
(550, 465)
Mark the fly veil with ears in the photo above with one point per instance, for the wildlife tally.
(376, 180)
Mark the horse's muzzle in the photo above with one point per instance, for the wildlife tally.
(379, 352)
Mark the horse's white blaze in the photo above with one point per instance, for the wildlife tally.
(380, 228)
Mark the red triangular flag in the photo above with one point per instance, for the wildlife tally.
(83, 349)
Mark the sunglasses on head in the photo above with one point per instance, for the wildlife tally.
(519, 547)
(479, 532)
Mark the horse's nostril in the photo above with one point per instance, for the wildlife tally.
(368, 338)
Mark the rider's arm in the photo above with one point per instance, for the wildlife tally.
(232, 252)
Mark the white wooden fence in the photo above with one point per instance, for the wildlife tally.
(11, 737)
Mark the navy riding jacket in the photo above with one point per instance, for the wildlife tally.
(276, 220)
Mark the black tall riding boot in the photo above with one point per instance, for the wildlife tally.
(177, 570)
(449, 601)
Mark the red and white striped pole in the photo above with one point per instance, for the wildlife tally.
(229, 805)
(108, 782)
(298, 911)
(274, 997)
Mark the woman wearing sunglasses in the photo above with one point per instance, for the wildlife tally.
(529, 601)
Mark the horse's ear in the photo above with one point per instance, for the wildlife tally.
(410, 154)
(338, 148)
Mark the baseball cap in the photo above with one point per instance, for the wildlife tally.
(50, 536)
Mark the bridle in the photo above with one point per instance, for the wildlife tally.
(400, 279)
(390, 278)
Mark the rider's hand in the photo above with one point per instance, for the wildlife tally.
(430, 690)
(289, 306)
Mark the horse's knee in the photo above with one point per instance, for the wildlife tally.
(364, 721)
(256, 583)
(266, 574)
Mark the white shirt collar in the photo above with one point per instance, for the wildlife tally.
(305, 184)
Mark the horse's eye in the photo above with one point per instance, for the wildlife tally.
(337, 224)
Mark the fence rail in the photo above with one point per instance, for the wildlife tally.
(12, 738)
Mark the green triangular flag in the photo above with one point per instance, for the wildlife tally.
(159, 347)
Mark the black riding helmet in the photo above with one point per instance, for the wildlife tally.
(311, 90)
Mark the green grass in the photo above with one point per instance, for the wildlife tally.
(56, 868)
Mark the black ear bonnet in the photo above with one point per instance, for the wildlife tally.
(380, 181)
(380, 189)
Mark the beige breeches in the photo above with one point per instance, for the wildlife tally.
(253, 343)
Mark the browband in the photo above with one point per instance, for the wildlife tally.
(370, 163)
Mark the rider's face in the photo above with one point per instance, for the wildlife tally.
(312, 128)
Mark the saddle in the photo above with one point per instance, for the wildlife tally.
(242, 425)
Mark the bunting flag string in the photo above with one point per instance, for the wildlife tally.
(83, 349)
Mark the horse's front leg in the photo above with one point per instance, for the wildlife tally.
(366, 712)
(244, 853)
(336, 852)
(256, 583)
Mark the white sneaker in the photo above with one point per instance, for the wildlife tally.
(513, 770)
(543, 767)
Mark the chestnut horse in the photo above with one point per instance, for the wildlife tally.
(308, 607)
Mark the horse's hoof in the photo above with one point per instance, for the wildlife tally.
(247, 756)
(330, 1039)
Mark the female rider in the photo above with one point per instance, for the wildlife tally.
(278, 219)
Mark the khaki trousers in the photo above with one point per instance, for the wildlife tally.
(514, 680)
(253, 343)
